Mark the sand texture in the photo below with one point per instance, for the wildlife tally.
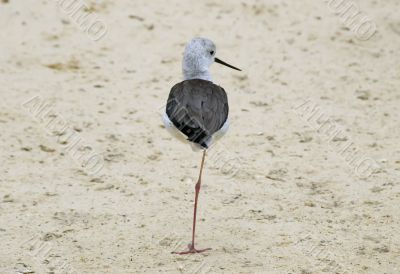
(306, 180)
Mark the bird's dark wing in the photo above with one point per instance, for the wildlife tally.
(198, 108)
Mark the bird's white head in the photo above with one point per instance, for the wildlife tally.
(199, 55)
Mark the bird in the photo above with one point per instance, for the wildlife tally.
(197, 109)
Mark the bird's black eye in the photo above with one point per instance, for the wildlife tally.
(212, 52)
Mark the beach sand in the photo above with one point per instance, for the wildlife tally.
(104, 188)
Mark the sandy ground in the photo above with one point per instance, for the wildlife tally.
(279, 195)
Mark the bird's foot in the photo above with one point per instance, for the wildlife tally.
(191, 250)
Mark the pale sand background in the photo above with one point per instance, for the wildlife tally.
(295, 206)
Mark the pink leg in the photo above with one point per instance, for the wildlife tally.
(191, 247)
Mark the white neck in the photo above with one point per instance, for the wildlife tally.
(195, 66)
(204, 75)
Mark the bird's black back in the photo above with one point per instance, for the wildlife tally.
(198, 108)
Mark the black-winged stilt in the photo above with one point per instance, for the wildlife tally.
(197, 109)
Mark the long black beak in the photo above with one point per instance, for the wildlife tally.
(225, 64)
